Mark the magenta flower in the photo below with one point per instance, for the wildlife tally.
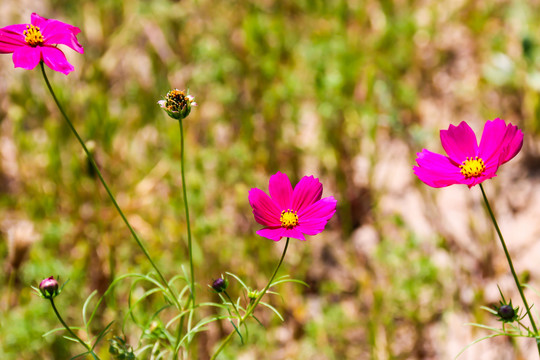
(291, 213)
(35, 42)
(467, 162)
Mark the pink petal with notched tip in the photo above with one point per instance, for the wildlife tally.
(56, 60)
(322, 209)
(306, 192)
(436, 170)
(265, 210)
(281, 190)
(511, 143)
(57, 32)
(459, 142)
(492, 139)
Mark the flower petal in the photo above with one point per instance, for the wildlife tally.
(56, 60)
(306, 192)
(437, 170)
(11, 37)
(323, 209)
(57, 32)
(26, 57)
(492, 137)
(292, 233)
(459, 142)
(281, 190)
(314, 218)
(500, 142)
(265, 210)
(277, 234)
(514, 143)
(271, 233)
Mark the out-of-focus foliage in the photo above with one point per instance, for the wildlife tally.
(345, 90)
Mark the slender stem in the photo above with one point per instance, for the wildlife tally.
(232, 303)
(100, 176)
(251, 308)
(510, 264)
(184, 191)
(191, 301)
(71, 332)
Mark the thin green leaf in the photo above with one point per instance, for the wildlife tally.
(475, 342)
(198, 328)
(111, 286)
(488, 309)
(238, 332)
(78, 356)
(222, 306)
(143, 349)
(102, 334)
(60, 329)
(70, 339)
(238, 279)
(132, 306)
(289, 281)
(176, 318)
(273, 309)
(85, 305)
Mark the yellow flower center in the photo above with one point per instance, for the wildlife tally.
(33, 36)
(472, 167)
(288, 219)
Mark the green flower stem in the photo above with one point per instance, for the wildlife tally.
(90, 350)
(251, 308)
(94, 165)
(232, 303)
(184, 191)
(191, 301)
(520, 289)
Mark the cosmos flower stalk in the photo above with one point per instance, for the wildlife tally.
(470, 163)
(49, 289)
(289, 213)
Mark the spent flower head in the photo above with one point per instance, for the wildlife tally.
(177, 104)
(467, 162)
(37, 41)
(289, 212)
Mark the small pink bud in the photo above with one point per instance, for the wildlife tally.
(49, 287)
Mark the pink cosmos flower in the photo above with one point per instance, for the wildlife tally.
(467, 162)
(35, 42)
(291, 213)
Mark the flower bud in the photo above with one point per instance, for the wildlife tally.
(252, 295)
(177, 104)
(120, 349)
(506, 312)
(220, 285)
(49, 288)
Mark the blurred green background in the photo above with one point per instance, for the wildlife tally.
(347, 91)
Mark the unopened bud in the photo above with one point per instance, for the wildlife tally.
(49, 287)
(220, 285)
